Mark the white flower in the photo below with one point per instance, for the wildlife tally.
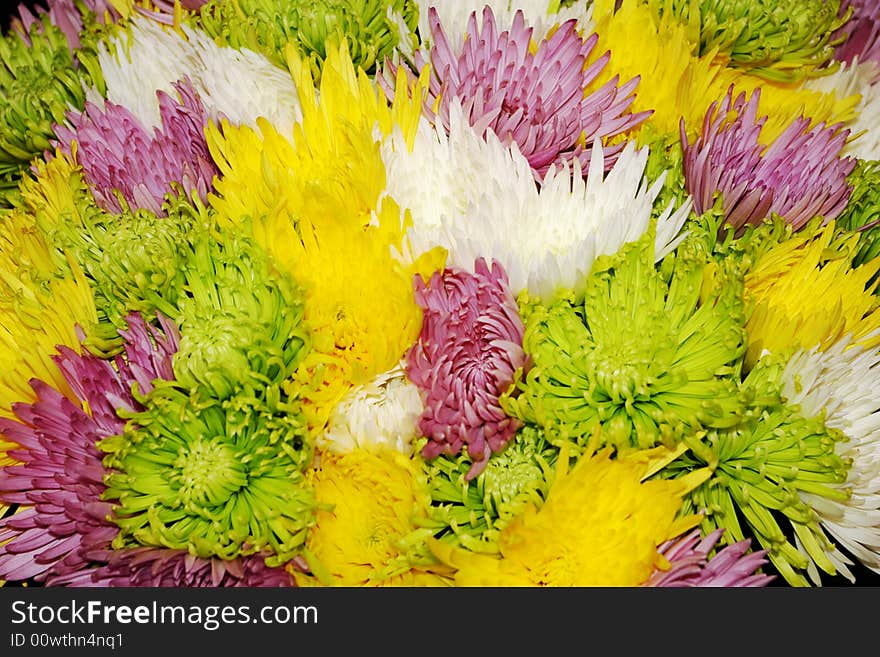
(454, 15)
(239, 85)
(850, 79)
(839, 383)
(382, 413)
(479, 199)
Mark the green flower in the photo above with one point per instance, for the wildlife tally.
(219, 479)
(649, 356)
(760, 467)
(373, 29)
(862, 212)
(240, 320)
(474, 512)
(665, 156)
(39, 83)
(780, 40)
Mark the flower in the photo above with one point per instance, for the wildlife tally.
(45, 78)
(58, 481)
(783, 41)
(861, 32)
(804, 292)
(830, 384)
(383, 413)
(799, 176)
(471, 511)
(761, 469)
(575, 538)
(468, 351)
(496, 78)
(862, 213)
(370, 29)
(690, 563)
(482, 201)
(159, 567)
(236, 85)
(216, 479)
(374, 500)
(119, 155)
(542, 15)
(644, 358)
(241, 322)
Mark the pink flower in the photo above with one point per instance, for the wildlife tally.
(118, 154)
(861, 32)
(799, 176)
(691, 565)
(468, 351)
(534, 99)
(59, 480)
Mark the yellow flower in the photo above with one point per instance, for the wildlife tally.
(677, 83)
(377, 500)
(805, 293)
(600, 525)
(314, 201)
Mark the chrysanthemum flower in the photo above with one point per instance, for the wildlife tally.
(160, 567)
(645, 357)
(241, 321)
(799, 176)
(782, 40)
(468, 351)
(481, 201)
(382, 414)
(761, 469)
(371, 29)
(575, 538)
(39, 82)
(861, 32)
(804, 292)
(542, 15)
(831, 384)
(533, 96)
(216, 479)
(35, 318)
(678, 82)
(119, 155)
(472, 511)
(368, 534)
(59, 481)
(236, 85)
(691, 564)
(862, 212)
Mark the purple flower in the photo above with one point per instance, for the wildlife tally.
(59, 479)
(534, 98)
(62, 13)
(161, 567)
(468, 351)
(118, 154)
(691, 565)
(861, 32)
(799, 176)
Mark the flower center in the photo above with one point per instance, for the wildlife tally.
(208, 473)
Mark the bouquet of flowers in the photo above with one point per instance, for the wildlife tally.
(440, 293)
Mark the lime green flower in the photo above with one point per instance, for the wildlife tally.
(862, 212)
(761, 467)
(780, 40)
(218, 479)
(471, 512)
(240, 321)
(373, 29)
(648, 356)
(39, 82)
